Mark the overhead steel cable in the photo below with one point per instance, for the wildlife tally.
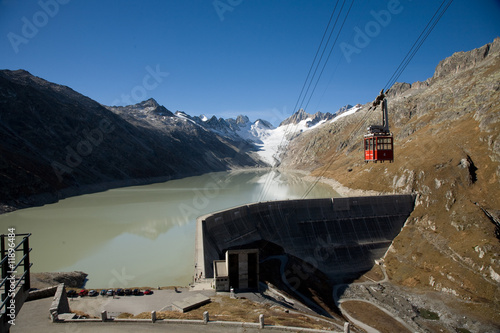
(316, 55)
(329, 54)
(397, 73)
(332, 158)
(322, 54)
(418, 43)
(290, 127)
(298, 105)
(318, 63)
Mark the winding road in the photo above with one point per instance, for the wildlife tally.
(364, 326)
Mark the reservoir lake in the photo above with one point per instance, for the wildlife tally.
(144, 235)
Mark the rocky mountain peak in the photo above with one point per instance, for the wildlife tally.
(343, 109)
(460, 61)
(242, 120)
(149, 106)
(454, 64)
(263, 123)
(301, 115)
(149, 103)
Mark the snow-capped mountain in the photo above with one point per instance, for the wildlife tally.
(269, 141)
(311, 119)
(276, 140)
(239, 128)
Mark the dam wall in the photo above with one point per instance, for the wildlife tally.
(339, 236)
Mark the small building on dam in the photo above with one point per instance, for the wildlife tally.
(341, 237)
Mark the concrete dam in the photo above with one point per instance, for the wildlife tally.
(341, 237)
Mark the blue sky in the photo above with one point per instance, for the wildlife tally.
(230, 57)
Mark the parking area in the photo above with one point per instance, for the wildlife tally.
(159, 300)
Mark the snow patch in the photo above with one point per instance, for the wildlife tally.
(494, 275)
(347, 113)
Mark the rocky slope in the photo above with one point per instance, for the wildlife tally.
(447, 151)
(55, 142)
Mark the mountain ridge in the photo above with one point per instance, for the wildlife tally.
(57, 143)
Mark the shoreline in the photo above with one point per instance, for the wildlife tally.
(342, 190)
(45, 198)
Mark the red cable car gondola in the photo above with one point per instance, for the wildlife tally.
(378, 142)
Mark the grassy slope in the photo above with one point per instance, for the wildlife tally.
(448, 244)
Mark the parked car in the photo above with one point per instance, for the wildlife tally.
(83, 292)
(103, 292)
(93, 293)
(128, 292)
(110, 292)
(71, 293)
(148, 292)
(136, 292)
(119, 292)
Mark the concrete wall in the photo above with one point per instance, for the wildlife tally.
(42, 293)
(338, 236)
(60, 303)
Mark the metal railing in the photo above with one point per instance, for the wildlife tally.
(16, 284)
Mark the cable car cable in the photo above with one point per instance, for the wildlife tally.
(316, 56)
(394, 77)
(290, 126)
(410, 50)
(329, 54)
(298, 104)
(418, 43)
(281, 147)
(323, 53)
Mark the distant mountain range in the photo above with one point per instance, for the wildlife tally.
(57, 142)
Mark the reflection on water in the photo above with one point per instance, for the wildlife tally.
(143, 235)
